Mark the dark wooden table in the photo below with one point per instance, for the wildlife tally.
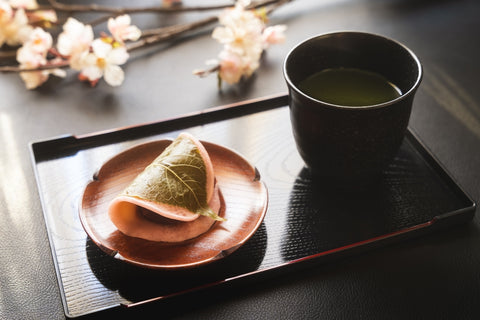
(434, 276)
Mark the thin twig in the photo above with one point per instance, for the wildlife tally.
(204, 73)
(119, 10)
(16, 69)
(101, 19)
(156, 9)
(162, 34)
(8, 54)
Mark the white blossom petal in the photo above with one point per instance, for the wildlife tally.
(17, 30)
(20, 17)
(101, 49)
(223, 35)
(92, 72)
(114, 75)
(121, 29)
(33, 79)
(118, 56)
(40, 41)
(29, 58)
(231, 67)
(75, 38)
(5, 12)
(59, 73)
(124, 20)
(274, 35)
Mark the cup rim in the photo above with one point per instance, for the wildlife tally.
(403, 96)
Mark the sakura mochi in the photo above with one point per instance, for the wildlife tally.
(173, 199)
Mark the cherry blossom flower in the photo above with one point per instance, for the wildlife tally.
(231, 67)
(33, 54)
(104, 61)
(244, 36)
(241, 34)
(33, 79)
(74, 42)
(121, 29)
(28, 57)
(6, 12)
(240, 30)
(273, 35)
(14, 27)
(37, 17)
(39, 42)
(100, 57)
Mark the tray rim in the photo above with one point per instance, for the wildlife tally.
(68, 144)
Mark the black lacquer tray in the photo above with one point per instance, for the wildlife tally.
(306, 221)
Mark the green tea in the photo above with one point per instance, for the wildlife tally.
(349, 87)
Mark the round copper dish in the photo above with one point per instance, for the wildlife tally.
(244, 205)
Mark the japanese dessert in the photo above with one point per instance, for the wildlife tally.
(173, 199)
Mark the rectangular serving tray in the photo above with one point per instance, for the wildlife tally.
(306, 221)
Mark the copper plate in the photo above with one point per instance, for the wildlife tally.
(244, 206)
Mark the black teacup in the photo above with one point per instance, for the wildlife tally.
(350, 142)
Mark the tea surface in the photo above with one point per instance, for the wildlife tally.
(349, 87)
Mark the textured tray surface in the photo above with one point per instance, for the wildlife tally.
(305, 219)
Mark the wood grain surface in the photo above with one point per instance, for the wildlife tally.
(306, 218)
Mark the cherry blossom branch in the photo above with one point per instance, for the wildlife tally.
(241, 57)
(151, 36)
(38, 58)
(17, 69)
(118, 11)
(207, 72)
(154, 36)
(8, 54)
(115, 11)
(155, 9)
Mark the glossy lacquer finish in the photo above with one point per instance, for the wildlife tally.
(307, 219)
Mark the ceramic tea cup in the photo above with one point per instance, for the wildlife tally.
(343, 142)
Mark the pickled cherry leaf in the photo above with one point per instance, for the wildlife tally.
(178, 177)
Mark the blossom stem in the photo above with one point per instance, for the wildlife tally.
(154, 36)
(204, 73)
